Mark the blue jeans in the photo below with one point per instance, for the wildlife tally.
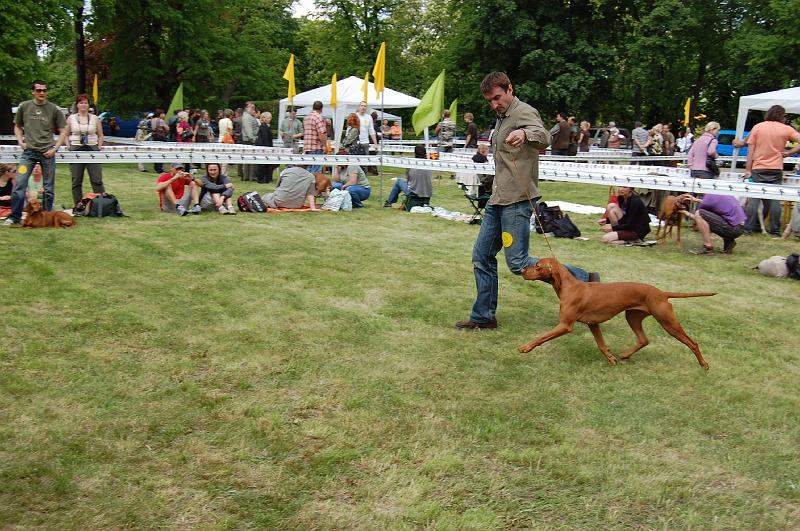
(358, 193)
(26, 163)
(513, 221)
(400, 185)
(314, 168)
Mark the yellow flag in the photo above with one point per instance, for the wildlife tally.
(686, 109)
(289, 76)
(333, 90)
(94, 91)
(379, 71)
(365, 88)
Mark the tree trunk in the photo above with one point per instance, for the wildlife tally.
(6, 118)
(80, 51)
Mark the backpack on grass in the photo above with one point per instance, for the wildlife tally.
(251, 202)
(98, 206)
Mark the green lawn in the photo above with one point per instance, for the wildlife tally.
(301, 371)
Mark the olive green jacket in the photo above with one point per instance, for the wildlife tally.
(517, 168)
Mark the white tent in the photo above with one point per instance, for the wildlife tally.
(788, 98)
(349, 94)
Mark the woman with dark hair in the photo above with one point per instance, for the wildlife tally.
(217, 190)
(350, 142)
(202, 131)
(84, 133)
(627, 218)
(8, 174)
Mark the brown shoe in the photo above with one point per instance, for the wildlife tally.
(472, 325)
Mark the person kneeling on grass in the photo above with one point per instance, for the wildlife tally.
(722, 215)
(419, 181)
(295, 185)
(354, 180)
(217, 190)
(172, 195)
(626, 221)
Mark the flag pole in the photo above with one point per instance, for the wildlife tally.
(380, 150)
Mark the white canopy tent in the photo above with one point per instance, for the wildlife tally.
(788, 98)
(349, 94)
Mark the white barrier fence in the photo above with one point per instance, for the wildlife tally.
(653, 177)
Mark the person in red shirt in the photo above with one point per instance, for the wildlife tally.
(765, 152)
(172, 195)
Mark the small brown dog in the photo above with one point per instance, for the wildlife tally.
(322, 183)
(670, 215)
(38, 218)
(594, 303)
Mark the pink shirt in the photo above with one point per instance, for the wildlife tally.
(766, 143)
(703, 148)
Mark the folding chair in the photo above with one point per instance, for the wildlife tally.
(477, 197)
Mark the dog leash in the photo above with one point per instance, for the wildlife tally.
(533, 207)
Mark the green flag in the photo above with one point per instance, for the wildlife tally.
(177, 101)
(429, 110)
(453, 109)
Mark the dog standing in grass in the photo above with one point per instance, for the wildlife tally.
(594, 303)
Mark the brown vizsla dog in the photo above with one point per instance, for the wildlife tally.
(670, 215)
(38, 218)
(594, 303)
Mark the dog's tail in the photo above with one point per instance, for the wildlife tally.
(681, 295)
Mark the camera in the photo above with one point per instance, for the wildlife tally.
(84, 139)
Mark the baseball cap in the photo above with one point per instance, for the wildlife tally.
(177, 165)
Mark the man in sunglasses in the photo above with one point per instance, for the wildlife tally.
(34, 124)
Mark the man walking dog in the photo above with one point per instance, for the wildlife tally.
(519, 135)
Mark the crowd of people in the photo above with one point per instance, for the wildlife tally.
(181, 192)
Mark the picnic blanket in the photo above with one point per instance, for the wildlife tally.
(304, 208)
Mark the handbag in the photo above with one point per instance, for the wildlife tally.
(711, 166)
(227, 138)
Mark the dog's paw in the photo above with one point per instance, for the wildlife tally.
(525, 348)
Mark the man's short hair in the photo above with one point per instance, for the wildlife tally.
(317, 105)
(420, 152)
(468, 116)
(637, 123)
(495, 79)
(563, 115)
(446, 113)
(776, 113)
(37, 82)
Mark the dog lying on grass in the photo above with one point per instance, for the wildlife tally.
(38, 218)
(594, 303)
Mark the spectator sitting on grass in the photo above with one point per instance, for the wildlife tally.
(295, 185)
(172, 196)
(418, 181)
(627, 221)
(354, 180)
(217, 190)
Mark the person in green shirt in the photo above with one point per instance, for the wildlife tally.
(34, 124)
(518, 136)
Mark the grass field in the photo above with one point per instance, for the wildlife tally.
(301, 371)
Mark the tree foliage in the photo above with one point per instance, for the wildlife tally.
(600, 60)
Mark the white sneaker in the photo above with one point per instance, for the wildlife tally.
(181, 210)
(8, 222)
(223, 210)
(231, 210)
(196, 209)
